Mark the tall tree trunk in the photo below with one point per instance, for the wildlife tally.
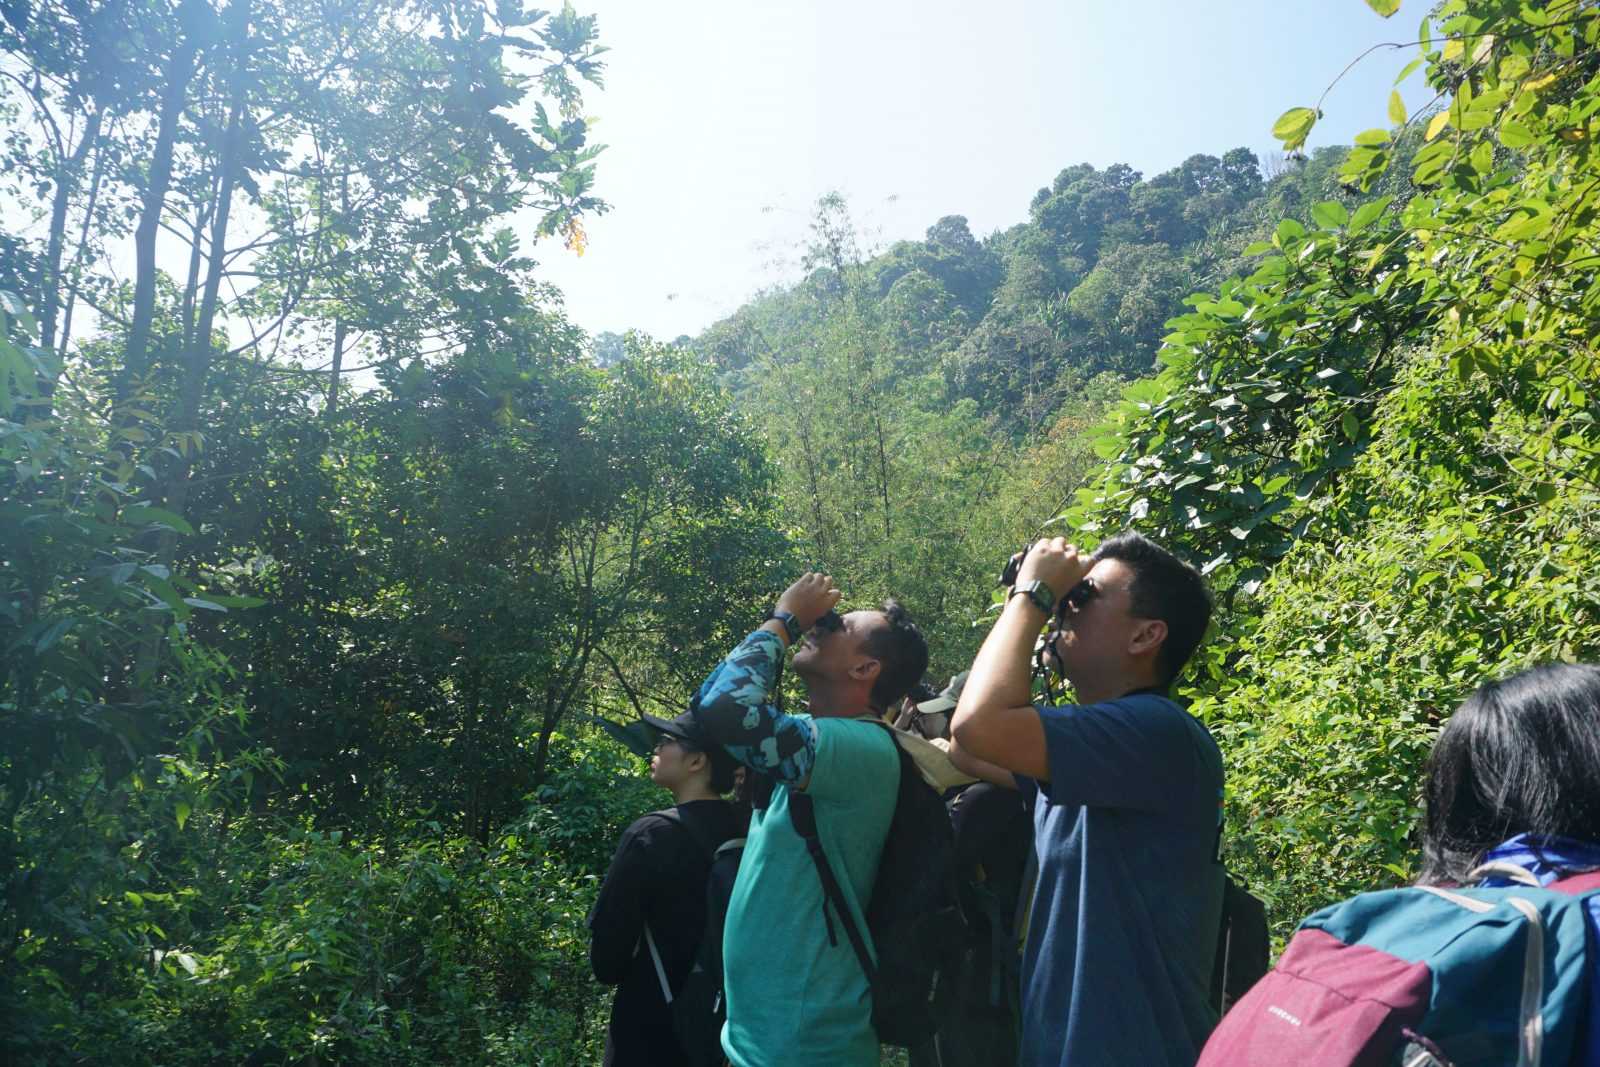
(340, 327)
(339, 332)
(197, 357)
(191, 284)
(77, 255)
(50, 277)
(180, 72)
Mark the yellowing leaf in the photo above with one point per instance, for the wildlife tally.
(576, 240)
(1533, 85)
(1397, 108)
(1439, 122)
(1384, 7)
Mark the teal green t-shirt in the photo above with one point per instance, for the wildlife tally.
(794, 998)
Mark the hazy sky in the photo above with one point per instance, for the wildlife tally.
(726, 119)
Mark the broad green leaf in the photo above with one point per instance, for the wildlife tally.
(236, 601)
(1372, 138)
(181, 810)
(1384, 7)
(1293, 126)
(1330, 214)
(53, 633)
(1368, 212)
(1409, 69)
(1397, 108)
(1482, 157)
(1514, 134)
(144, 513)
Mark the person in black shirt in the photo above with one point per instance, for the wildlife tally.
(657, 880)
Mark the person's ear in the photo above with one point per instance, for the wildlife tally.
(866, 671)
(1147, 637)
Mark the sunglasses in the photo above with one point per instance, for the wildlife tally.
(829, 623)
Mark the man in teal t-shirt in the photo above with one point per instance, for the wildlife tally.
(796, 993)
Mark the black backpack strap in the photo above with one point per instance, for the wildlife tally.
(670, 815)
(802, 813)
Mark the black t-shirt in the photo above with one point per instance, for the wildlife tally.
(658, 876)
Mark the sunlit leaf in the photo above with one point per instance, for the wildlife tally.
(1397, 108)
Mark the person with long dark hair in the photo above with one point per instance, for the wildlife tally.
(1515, 775)
(1514, 778)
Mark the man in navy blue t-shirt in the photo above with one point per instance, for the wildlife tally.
(1123, 927)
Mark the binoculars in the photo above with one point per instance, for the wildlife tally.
(1075, 598)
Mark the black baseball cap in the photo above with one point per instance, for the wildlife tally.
(685, 728)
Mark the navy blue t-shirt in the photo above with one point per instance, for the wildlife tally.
(1123, 928)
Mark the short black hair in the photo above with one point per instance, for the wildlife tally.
(922, 692)
(1163, 587)
(1518, 757)
(901, 652)
(722, 769)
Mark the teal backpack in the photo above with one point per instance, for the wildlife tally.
(1426, 977)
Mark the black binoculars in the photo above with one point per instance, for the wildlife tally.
(1075, 598)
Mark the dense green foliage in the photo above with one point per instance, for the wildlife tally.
(1392, 421)
(325, 537)
(297, 677)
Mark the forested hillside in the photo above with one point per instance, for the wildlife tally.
(938, 395)
(326, 540)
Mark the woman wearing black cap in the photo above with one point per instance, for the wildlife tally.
(651, 912)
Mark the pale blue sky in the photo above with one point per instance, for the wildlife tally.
(726, 119)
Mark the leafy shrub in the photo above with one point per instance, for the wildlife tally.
(331, 950)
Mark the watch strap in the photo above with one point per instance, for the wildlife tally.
(791, 625)
(1038, 593)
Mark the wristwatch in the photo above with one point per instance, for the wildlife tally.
(1038, 593)
(791, 625)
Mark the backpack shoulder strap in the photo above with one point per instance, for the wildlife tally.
(655, 958)
(802, 813)
(670, 815)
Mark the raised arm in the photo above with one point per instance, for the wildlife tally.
(995, 721)
(734, 707)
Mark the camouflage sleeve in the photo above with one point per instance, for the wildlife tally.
(734, 708)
